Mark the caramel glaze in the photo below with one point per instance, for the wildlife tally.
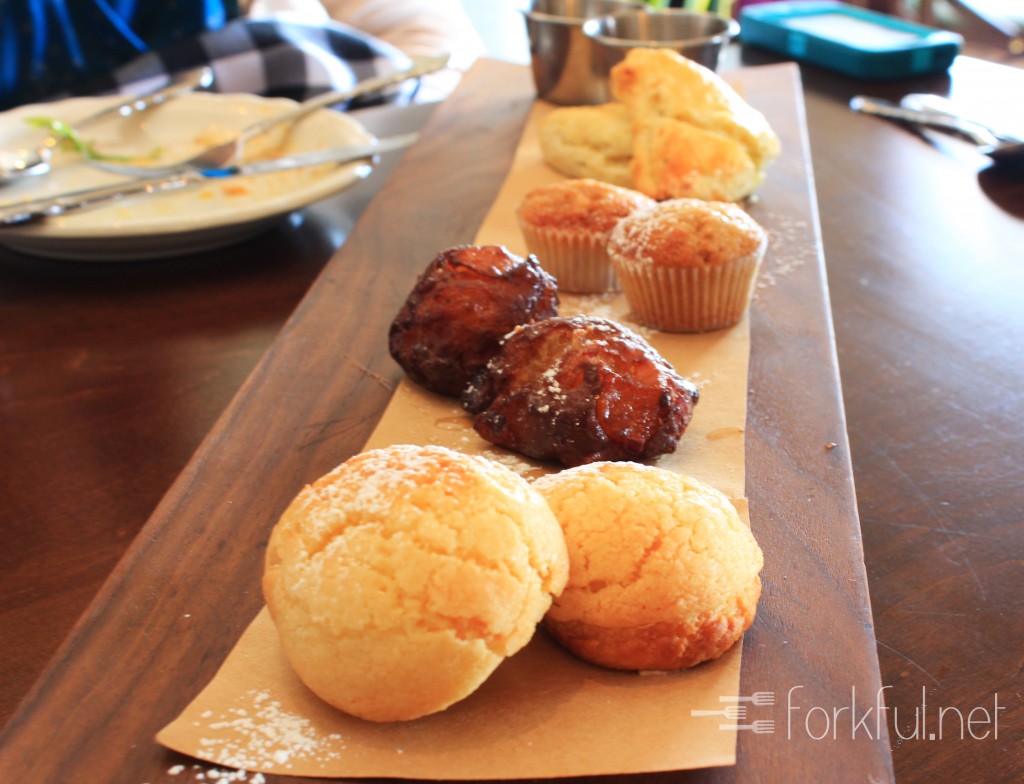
(466, 300)
(580, 389)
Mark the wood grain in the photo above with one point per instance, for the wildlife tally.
(110, 376)
(928, 322)
(114, 667)
(186, 587)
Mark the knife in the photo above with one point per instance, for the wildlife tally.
(18, 213)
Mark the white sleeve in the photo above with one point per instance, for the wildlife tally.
(416, 27)
(305, 11)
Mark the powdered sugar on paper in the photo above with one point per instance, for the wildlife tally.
(265, 734)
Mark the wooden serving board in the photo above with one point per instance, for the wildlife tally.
(188, 587)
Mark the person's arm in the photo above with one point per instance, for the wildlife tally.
(414, 26)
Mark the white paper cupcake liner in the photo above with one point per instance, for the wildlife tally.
(579, 262)
(680, 299)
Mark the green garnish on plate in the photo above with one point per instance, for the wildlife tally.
(72, 139)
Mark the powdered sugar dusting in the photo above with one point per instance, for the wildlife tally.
(790, 246)
(202, 773)
(264, 735)
(699, 380)
(550, 379)
(610, 305)
(380, 476)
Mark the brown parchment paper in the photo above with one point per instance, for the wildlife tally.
(543, 713)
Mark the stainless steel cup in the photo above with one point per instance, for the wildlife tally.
(561, 56)
(699, 37)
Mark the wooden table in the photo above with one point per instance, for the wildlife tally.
(111, 377)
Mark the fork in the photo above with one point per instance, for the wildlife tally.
(733, 712)
(757, 698)
(232, 151)
(759, 727)
(36, 161)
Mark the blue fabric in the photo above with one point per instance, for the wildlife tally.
(49, 47)
(263, 57)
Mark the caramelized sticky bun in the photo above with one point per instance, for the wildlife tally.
(577, 390)
(466, 300)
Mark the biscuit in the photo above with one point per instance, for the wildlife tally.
(663, 83)
(676, 129)
(401, 579)
(673, 159)
(663, 573)
(589, 141)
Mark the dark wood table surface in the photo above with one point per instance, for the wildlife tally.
(112, 376)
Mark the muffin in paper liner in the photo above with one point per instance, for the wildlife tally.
(680, 299)
(688, 265)
(579, 262)
(566, 225)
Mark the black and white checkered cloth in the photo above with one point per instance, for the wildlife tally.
(268, 58)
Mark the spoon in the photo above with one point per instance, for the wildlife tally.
(1002, 152)
(938, 104)
(33, 161)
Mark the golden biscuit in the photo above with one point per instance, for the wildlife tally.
(400, 580)
(663, 83)
(589, 141)
(663, 573)
(673, 159)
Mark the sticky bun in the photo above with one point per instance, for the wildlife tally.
(467, 299)
(577, 390)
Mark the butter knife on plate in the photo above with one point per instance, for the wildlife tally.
(21, 212)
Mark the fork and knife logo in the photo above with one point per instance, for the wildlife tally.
(737, 713)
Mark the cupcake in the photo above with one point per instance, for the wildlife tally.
(688, 265)
(567, 225)
(663, 573)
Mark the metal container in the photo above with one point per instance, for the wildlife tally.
(561, 55)
(699, 37)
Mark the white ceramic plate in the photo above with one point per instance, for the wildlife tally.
(211, 215)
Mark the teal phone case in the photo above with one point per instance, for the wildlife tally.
(848, 39)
